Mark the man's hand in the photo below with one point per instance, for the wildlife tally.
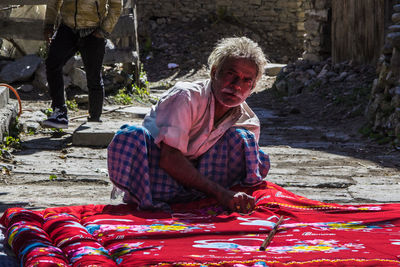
(98, 34)
(237, 201)
(183, 171)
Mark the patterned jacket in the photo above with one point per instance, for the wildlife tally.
(80, 14)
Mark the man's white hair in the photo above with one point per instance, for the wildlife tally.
(237, 47)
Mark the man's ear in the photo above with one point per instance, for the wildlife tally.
(213, 72)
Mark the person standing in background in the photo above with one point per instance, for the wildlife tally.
(84, 26)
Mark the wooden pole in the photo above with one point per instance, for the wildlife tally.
(137, 63)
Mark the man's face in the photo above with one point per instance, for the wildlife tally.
(234, 82)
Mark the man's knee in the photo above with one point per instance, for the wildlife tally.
(131, 134)
(132, 130)
(241, 133)
(129, 137)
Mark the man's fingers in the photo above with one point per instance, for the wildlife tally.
(245, 205)
(241, 202)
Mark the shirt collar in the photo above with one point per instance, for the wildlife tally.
(235, 112)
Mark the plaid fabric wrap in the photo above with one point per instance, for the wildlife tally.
(133, 159)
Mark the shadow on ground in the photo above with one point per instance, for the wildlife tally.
(5, 205)
(294, 126)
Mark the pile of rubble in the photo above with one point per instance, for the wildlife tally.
(29, 72)
(322, 77)
(28, 76)
(330, 92)
(384, 108)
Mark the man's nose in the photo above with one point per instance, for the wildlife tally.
(236, 82)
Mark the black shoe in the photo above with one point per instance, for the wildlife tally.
(58, 119)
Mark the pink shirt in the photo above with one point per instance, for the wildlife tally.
(184, 119)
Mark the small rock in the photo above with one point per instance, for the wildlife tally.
(294, 111)
(40, 80)
(78, 78)
(336, 137)
(311, 72)
(273, 69)
(82, 99)
(281, 87)
(172, 65)
(20, 70)
(323, 73)
(352, 77)
(396, 18)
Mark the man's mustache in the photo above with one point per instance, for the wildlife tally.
(228, 90)
(232, 91)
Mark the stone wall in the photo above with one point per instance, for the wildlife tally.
(279, 23)
(317, 39)
(384, 108)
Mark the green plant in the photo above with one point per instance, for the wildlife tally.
(141, 92)
(356, 95)
(365, 130)
(9, 142)
(31, 131)
(57, 132)
(123, 97)
(166, 84)
(52, 177)
(141, 87)
(384, 140)
(147, 45)
(42, 51)
(47, 111)
(72, 105)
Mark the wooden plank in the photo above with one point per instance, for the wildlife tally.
(32, 29)
(21, 28)
(358, 28)
(125, 27)
(23, 2)
(137, 63)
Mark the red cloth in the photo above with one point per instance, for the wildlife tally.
(201, 234)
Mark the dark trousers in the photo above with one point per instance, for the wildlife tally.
(63, 46)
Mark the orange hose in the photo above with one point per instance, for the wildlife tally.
(16, 94)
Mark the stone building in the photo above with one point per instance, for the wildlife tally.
(278, 23)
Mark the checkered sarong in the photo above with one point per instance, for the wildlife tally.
(133, 166)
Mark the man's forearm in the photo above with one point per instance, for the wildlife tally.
(182, 170)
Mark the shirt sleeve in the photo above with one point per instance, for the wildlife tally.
(114, 12)
(52, 8)
(174, 120)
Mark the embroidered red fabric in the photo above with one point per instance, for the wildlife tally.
(202, 234)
